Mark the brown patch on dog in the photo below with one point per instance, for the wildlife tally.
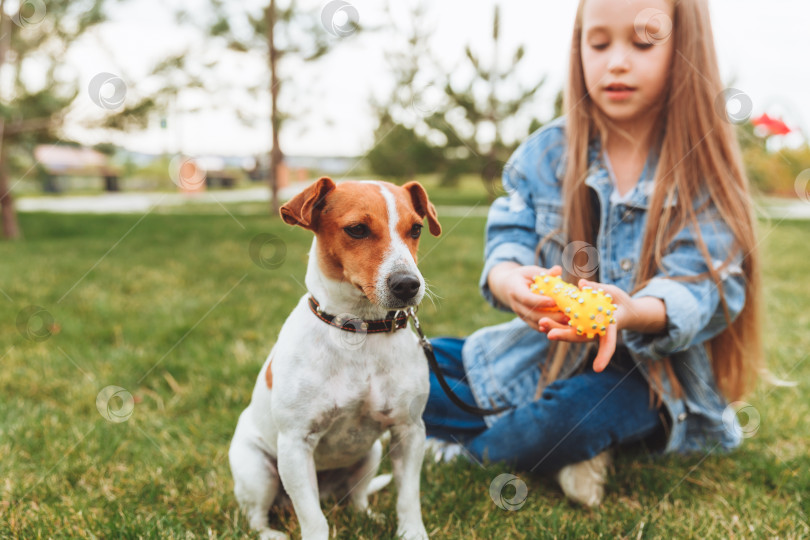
(268, 374)
(356, 260)
(304, 208)
(423, 206)
(411, 213)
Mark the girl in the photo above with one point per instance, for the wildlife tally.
(640, 189)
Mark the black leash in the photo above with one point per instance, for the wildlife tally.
(434, 366)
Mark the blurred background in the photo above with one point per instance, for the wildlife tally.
(101, 97)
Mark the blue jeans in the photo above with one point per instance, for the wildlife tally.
(574, 420)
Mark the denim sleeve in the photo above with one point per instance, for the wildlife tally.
(530, 179)
(511, 233)
(693, 308)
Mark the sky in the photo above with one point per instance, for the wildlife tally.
(762, 49)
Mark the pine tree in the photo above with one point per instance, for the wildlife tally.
(484, 106)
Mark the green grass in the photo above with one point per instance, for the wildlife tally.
(174, 310)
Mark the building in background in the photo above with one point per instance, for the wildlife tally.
(75, 167)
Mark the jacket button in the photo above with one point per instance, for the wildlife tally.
(628, 215)
(682, 417)
(626, 264)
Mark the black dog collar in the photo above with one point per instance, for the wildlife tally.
(395, 320)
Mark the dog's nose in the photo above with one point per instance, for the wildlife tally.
(403, 285)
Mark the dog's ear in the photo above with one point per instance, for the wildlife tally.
(302, 209)
(423, 206)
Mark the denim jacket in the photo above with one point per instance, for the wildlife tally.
(503, 362)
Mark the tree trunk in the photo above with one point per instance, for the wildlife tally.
(276, 156)
(11, 229)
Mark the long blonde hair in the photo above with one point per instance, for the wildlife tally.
(699, 151)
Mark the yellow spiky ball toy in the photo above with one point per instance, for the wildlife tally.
(590, 311)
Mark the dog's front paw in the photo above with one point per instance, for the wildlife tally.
(412, 532)
(320, 532)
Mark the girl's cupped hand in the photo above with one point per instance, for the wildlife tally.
(558, 330)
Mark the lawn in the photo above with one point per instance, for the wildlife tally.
(179, 311)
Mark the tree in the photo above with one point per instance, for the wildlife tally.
(280, 33)
(401, 152)
(35, 35)
(483, 106)
(33, 114)
(401, 149)
(464, 124)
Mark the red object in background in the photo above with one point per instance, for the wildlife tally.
(774, 126)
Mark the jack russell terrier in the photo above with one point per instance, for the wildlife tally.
(324, 396)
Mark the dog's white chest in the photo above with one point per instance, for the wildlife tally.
(340, 397)
(358, 411)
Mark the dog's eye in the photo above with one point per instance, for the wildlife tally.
(358, 231)
(416, 230)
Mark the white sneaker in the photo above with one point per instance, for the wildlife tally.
(584, 482)
(441, 450)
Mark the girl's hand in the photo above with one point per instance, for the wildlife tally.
(510, 285)
(607, 343)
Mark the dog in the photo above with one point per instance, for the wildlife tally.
(324, 396)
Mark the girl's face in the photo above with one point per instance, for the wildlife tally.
(626, 54)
